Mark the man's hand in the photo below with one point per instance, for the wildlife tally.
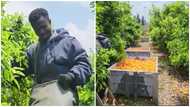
(65, 80)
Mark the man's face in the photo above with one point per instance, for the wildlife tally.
(42, 27)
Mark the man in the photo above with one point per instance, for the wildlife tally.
(57, 62)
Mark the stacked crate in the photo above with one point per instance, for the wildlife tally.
(138, 52)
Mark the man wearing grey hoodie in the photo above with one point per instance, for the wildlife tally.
(57, 62)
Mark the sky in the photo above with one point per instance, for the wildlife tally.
(143, 8)
(76, 17)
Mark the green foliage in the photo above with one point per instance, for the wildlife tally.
(119, 45)
(103, 59)
(16, 37)
(86, 92)
(116, 21)
(169, 31)
(2, 7)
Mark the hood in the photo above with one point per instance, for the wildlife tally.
(58, 34)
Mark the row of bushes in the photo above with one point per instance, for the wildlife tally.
(115, 21)
(170, 32)
(17, 36)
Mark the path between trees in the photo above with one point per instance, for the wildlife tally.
(167, 82)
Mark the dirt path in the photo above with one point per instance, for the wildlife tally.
(167, 82)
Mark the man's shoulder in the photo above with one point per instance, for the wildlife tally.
(64, 35)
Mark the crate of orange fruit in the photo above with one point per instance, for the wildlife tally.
(140, 52)
(136, 77)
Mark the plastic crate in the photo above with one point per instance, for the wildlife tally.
(136, 84)
(138, 52)
(145, 39)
